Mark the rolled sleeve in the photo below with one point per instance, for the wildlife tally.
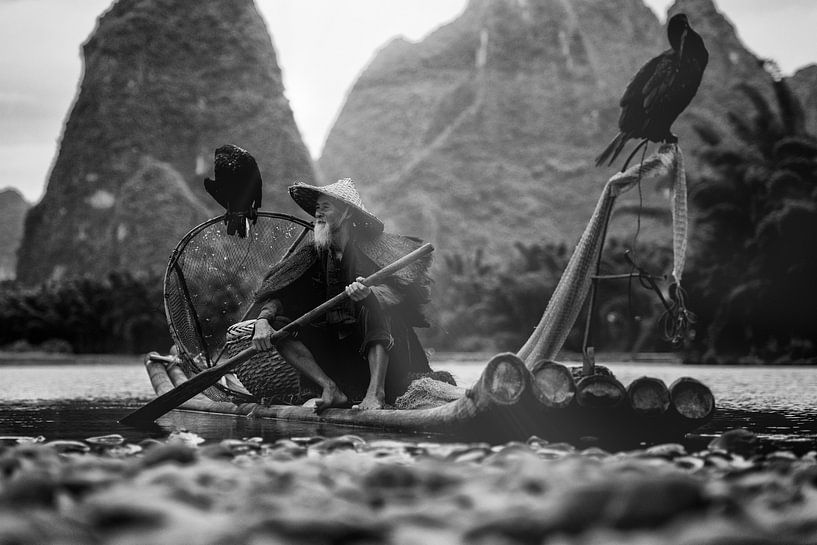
(270, 310)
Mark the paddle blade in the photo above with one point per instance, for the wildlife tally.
(187, 390)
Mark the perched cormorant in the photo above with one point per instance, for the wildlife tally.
(237, 187)
(660, 91)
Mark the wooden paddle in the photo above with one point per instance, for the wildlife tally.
(201, 381)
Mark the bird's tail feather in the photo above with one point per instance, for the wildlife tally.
(236, 224)
(612, 150)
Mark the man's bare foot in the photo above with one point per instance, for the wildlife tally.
(370, 402)
(331, 397)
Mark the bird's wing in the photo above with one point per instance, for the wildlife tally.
(638, 102)
(634, 93)
(216, 191)
(656, 89)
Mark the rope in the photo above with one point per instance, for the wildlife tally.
(680, 217)
(676, 319)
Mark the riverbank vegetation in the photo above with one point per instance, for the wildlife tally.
(121, 313)
(754, 243)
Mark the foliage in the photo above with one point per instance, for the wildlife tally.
(120, 313)
(493, 306)
(754, 253)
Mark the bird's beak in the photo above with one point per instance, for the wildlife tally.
(683, 39)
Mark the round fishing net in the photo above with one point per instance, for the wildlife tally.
(209, 286)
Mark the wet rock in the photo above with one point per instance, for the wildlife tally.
(123, 451)
(579, 507)
(554, 452)
(38, 528)
(806, 476)
(510, 452)
(535, 441)
(285, 443)
(169, 453)
(669, 451)
(470, 454)
(29, 489)
(80, 480)
(308, 529)
(217, 451)
(9, 465)
(781, 455)
(391, 477)
(344, 442)
(393, 449)
(442, 451)
(237, 446)
(185, 437)
(12, 440)
(284, 450)
(653, 500)
(739, 441)
(306, 441)
(717, 459)
(150, 443)
(64, 447)
(111, 440)
(595, 452)
(509, 530)
(689, 463)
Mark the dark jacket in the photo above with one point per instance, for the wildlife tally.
(299, 284)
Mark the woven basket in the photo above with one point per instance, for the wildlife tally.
(266, 375)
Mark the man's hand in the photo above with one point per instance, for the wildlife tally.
(357, 291)
(261, 337)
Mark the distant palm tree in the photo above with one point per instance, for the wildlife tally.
(754, 246)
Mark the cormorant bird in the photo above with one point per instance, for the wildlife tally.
(660, 91)
(237, 187)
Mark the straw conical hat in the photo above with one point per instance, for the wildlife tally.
(344, 191)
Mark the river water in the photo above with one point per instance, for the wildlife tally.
(86, 396)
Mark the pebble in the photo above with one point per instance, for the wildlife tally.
(185, 437)
(740, 441)
(170, 452)
(11, 440)
(667, 450)
(64, 446)
(111, 440)
(344, 442)
(349, 490)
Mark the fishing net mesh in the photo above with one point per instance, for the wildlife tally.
(209, 286)
(427, 392)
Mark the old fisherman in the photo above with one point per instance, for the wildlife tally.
(365, 351)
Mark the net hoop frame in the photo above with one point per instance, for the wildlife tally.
(192, 360)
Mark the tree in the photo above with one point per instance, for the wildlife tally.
(754, 249)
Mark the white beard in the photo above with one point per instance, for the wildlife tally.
(323, 236)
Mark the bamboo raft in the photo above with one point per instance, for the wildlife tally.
(507, 402)
(517, 395)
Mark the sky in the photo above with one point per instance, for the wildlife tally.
(322, 46)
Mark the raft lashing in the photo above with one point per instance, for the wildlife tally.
(517, 396)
